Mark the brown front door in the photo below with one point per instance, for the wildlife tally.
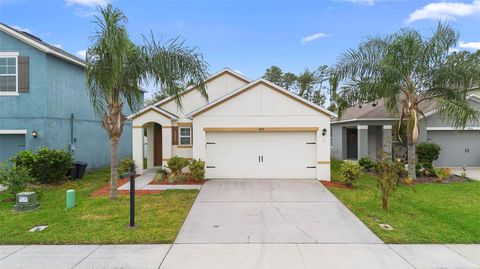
(157, 145)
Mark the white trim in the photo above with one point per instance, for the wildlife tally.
(39, 45)
(362, 127)
(360, 119)
(9, 53)
(387, 127)
(252, 84)
(159, 110)
(13, 132)
(226, 69)
(10, 93)
(452, 129)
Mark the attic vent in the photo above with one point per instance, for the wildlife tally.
(32, 36)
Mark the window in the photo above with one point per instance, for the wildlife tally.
(8, 74)
(185, 135)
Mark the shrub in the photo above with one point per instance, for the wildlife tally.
(160, 174)
(365, 163)
(197, 169)
(176, 164)
(46, 166)
(350, 172)
(177, 178)
(125, 166)
(14, 178)
(444, 174)
(387, 180)
(427, 153)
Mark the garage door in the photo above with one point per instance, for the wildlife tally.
(10, 144)
(261, 155)
(458, 147)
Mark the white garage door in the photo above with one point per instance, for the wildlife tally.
(261, 155)
(458, 148)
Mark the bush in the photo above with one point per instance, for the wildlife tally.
(176, 164)
(14, 178)
(177, 178)
(350, 172)
(427, 153)
(365, 163)
(46, 166)
(197, 169)
(444, 174)
(125, 166)
(387, 180)
(160, 174)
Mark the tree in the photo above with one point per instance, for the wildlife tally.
(274, 74)
(115, 67)
(408, 71)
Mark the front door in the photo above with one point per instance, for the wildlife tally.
(157, 148)
(352, 144)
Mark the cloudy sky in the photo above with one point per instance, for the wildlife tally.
(249, 36)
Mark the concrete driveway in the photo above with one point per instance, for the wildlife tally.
(271, 211)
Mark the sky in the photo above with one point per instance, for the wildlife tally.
(248, 36)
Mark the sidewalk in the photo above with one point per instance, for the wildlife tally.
(224, 256)
(141, 183)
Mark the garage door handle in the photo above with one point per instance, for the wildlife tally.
(262, 158)
(210, 166)
(311, 167)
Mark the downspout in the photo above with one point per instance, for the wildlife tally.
(72, 139)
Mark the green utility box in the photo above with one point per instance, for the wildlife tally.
(26, 201)
(70, 199)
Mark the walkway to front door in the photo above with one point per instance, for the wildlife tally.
(271, 211)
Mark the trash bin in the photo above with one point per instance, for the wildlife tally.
(78, 170)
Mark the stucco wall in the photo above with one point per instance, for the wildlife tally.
(57, 89)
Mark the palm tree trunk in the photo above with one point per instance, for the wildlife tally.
(113, 166)
(411, 151)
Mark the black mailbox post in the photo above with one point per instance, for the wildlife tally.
(131, 174)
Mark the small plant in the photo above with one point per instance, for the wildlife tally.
(14, 178)
(197, 169)
(125, 166)
(177, 178)
(176, 164)
(408, 181)
(464, 172)
(444, 174)
(365, 163)
(426, 154)
(160, 174)
(387, 180)
(350, 172)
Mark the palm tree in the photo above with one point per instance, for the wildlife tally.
(115, 67)
(408, 72)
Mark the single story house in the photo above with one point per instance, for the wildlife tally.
(44, 102)
(246, 129)
(368, 130)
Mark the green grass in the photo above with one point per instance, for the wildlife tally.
(96, 220)
(426, 213)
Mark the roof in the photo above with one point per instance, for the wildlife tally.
(42, 46)
(212, 77)
(269, 84)
(156, 109)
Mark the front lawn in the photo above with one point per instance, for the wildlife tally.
(96, 220)
(425, 213)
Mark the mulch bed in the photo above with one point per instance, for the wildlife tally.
(335, 185)
(453, 178)
(105, 190)
(189, 181)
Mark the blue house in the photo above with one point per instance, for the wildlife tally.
(44, 102)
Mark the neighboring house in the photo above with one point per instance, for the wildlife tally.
(366, 131)
(247, 129)
(41, 87)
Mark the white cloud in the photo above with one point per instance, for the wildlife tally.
(362, 2)
(469, 45)
(19, 28)
(81, 54)
(87, 3)
(58, 46)
(313, 37)
(445, 10)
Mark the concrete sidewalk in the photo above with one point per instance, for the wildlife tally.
(221, 256)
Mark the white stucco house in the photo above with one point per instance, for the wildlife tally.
(246, 129)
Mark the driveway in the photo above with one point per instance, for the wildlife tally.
(271, 211)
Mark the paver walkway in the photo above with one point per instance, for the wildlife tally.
(253, 219)
(141, 183)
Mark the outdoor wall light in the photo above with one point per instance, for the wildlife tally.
(34, 134)
(324, 131)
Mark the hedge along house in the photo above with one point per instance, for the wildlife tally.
(246, 129)
(368, 131)
(44, 102)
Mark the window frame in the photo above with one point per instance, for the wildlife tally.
(180, 135)
(15, 56)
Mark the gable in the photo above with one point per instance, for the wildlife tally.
(217, 86)
(261, 99)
